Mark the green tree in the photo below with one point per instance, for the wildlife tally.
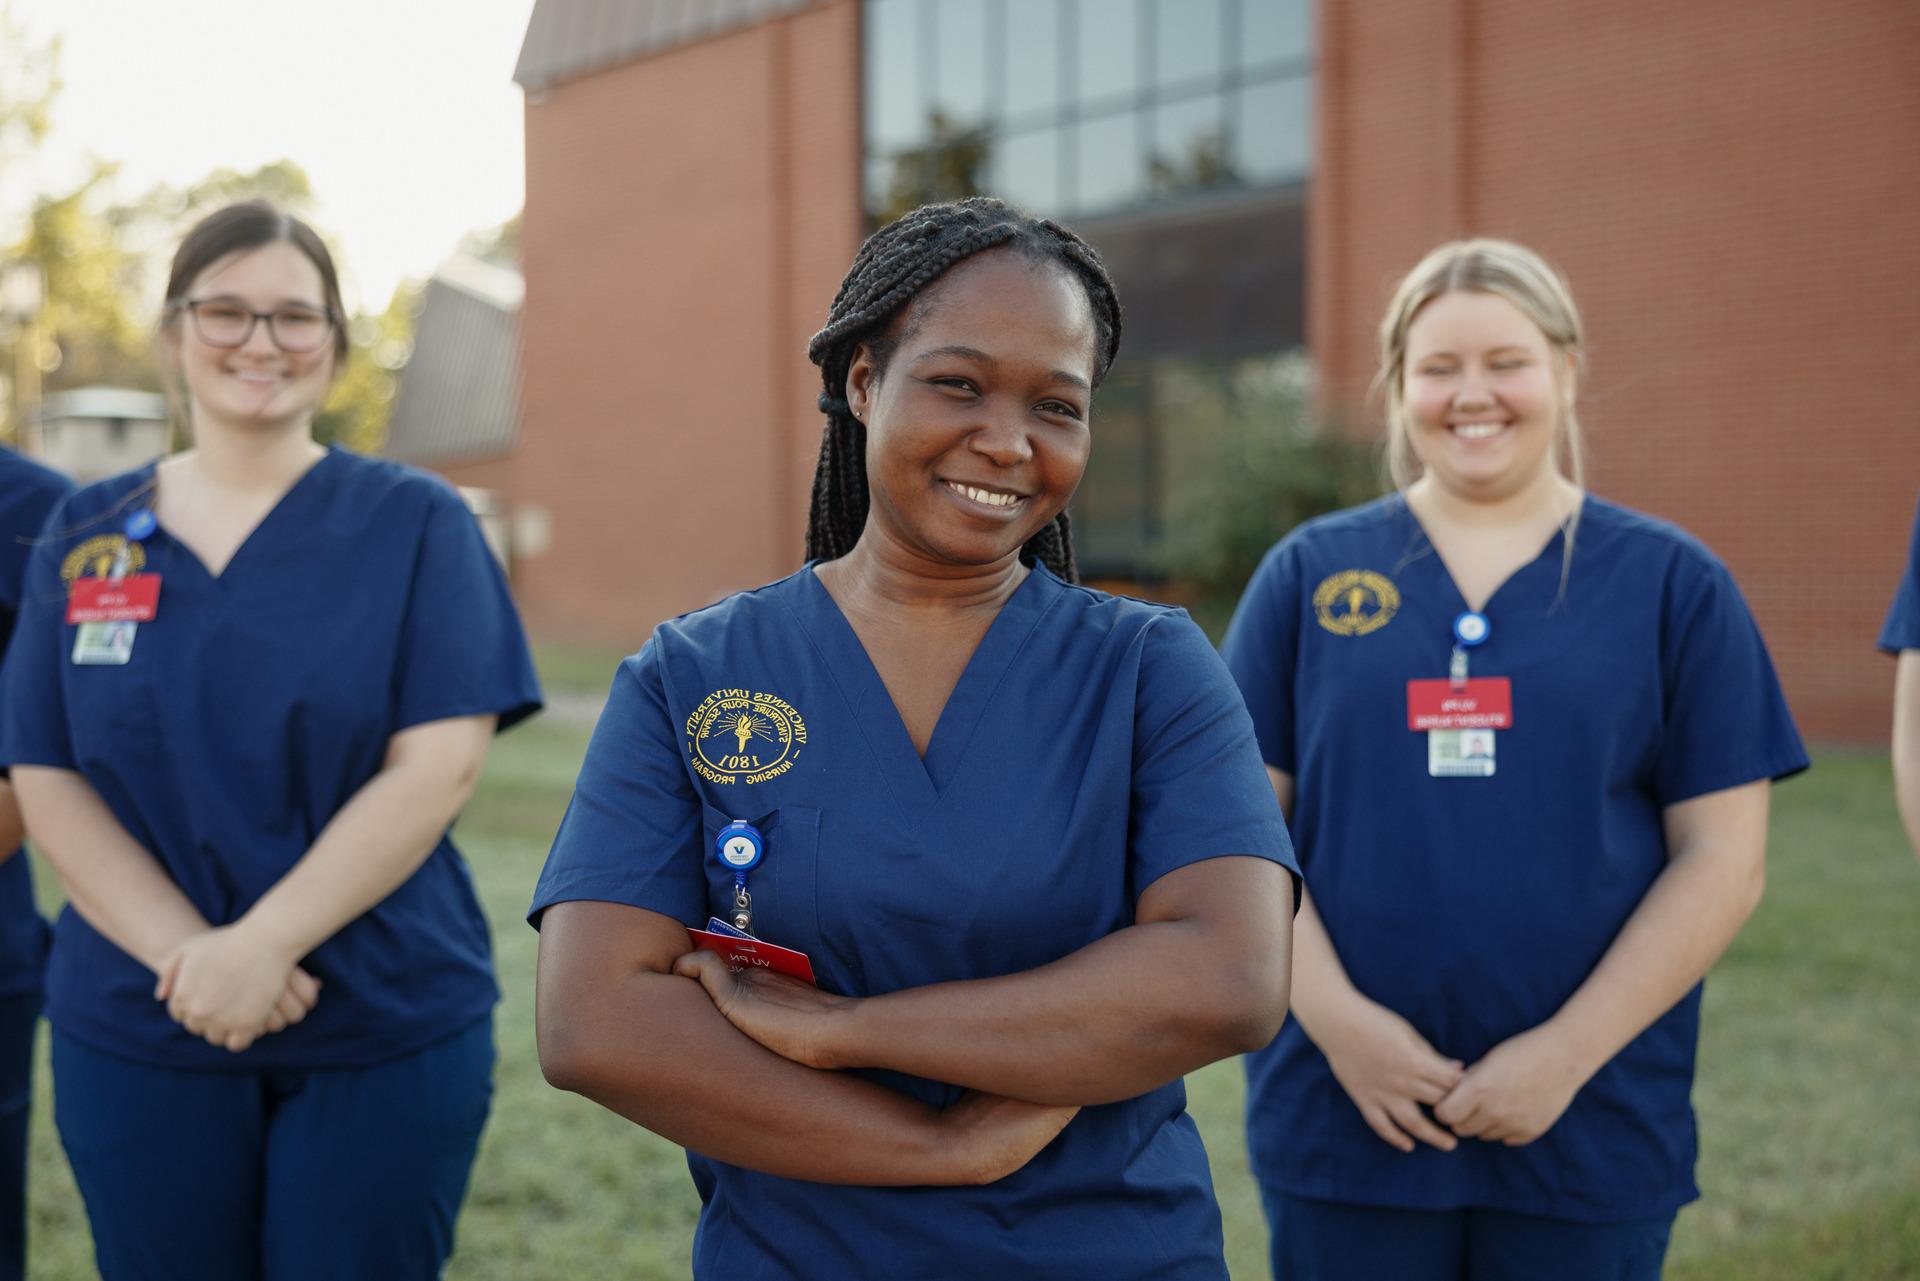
(29, 83)
(360, 403)
(1269, 464)
(85, 332)
(499, 246)
(952, 165)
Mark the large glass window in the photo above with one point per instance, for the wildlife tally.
(1128, 101)
(1033, 72)
(1273, 32)
(1109, 52)
(895, 117)
(1273, 139)
(1190, 146)
(1189, 41)
(1027, 168)
(1103, 112)
(960, 48)
(1109, 169)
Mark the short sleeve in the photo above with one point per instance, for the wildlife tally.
(1262, 648)
(1199, 790)
(632, 833)
(1725, 720)
(463, 652)
(27, 496)
(1903, 619)
(33, 714)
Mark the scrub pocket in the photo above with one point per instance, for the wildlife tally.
(784, 885)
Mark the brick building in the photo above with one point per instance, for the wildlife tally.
(1727, 185)
(1724, 182)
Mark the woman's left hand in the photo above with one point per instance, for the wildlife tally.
(1516, 1093)
(224, 986)
(794, 1020)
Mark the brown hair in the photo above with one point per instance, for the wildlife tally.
(249, 225)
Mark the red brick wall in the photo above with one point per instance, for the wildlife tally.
(688, 218)
(1730, 186)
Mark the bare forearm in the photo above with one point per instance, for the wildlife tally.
(376, 841)
(12, 830)
(1682, 926)
(653, 1048)
(1122, 1016)
(109, 878)
(1906, 744)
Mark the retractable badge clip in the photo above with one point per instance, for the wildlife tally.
(739, 847)
(1469, 629)
(140, 525)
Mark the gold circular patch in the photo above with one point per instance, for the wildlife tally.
(1354, 602)
(740, 735)
(96, 557)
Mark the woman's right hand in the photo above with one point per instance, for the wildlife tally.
(989, 1137)
(1388, 1070)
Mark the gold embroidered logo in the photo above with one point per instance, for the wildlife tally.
(96, 557)
(740, 735)
(1354, 602)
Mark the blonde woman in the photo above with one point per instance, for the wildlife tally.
(1524, 738)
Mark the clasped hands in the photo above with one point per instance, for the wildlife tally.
(1513, 1095)
(230, 986)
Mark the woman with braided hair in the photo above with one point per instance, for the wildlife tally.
(1016, 831)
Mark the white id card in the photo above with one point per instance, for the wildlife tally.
(1460, 753)
(104, 644)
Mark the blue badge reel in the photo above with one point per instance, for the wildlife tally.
(1471, 629)
(740, 847)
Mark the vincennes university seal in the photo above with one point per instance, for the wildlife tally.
(742, 735)
(96, 557)
(1354, 602)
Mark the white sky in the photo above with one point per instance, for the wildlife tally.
(403, 112)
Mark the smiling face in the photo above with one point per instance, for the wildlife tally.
(255, 384)
(1483, 394)
(977, 427)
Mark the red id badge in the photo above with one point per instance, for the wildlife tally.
(1485, 703)
(133, 599)
(742, 953)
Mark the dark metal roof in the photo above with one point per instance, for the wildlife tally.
(568, 38)
(459, 395)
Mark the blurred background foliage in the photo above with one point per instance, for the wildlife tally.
(1252, 458)
(103, 256)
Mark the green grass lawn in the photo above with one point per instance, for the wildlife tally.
(1809, 1091)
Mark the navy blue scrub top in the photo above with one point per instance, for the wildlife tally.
(1474, 907)
(254, 707)
(1093, 745)
(1903, 619)
(28, 493)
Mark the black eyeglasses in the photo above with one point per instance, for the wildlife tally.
(223, 323)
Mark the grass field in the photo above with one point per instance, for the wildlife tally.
(1809, 1090)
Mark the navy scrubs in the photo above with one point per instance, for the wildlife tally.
(248, 713)
(1092, 745)
(28, 493)
(1902, 630)
(1475, 906)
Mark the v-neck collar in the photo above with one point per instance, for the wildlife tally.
(1419, 544)
(919, 782)
(150, 481)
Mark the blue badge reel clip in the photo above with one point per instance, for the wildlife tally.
(740, 847)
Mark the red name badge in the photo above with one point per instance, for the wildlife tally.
(1486, 703)
(134, 599)
(743, 954)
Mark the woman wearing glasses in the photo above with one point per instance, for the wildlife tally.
(250, 688)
